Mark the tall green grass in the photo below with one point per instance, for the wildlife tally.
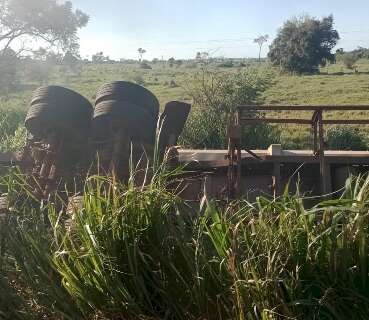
(12, 130)
(141, 253)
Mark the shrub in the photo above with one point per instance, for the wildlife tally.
(173, 84)
(227, 64)
(349, 60)
(207, 130)
(215, 96)
(345, 138)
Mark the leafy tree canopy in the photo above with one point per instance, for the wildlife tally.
(304, 43)
(50, 21)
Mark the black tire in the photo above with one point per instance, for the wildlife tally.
(57, 108)
(63, 97)
(130, 92)
(136, 122)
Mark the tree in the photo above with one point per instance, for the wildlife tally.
(340, 51)
(205, 55)
(260, 41)
(40, 54)
(171, 61)
(302, 44)
(361, 53)
(99, 57)
(178, 63)
(71, 59)
(141, 52)
(8, 70)
(54, 58)
(23, 23)
(50, 21)
(202, 56)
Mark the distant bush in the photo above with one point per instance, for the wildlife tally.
(359, 52)
(145, 65)
(227, 64)
(349, 60)
(345, 138)
(173, 84)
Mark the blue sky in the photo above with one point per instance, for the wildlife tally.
(180, 28)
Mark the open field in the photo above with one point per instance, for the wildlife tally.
(334, 85)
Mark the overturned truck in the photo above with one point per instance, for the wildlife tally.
(69, 139)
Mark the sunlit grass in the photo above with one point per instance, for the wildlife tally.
(140, 253)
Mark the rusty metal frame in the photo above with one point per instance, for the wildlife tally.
(316, 122)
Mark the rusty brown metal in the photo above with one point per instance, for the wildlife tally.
(348, 121)
(315, 131)
(248, 108)
(322, 167)
(316, 122)
(271, 120)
